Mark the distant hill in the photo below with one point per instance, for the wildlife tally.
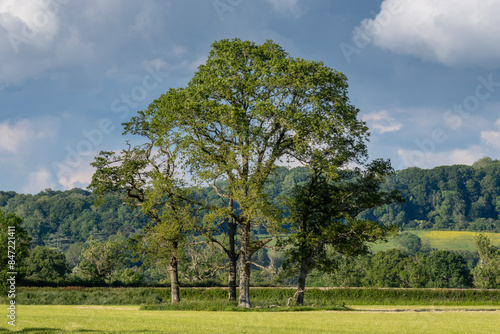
(455, 197)
(60, 218)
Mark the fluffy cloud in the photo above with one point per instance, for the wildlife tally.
(39, 36)
(382, 122)
(78, 176)
(451, 32)
(34, 21)
(36, 36)
(13, 137)
(492, 137)
(38, 180)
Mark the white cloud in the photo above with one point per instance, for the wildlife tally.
(33, 20)
(382, 122)
(451, 32)
(417, 158)
(492, 138)
(13, 137)
(38, 180)
(77, 177)
(36, 36)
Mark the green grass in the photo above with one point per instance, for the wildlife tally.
(233, 306)
(128, 319)
(444, 240)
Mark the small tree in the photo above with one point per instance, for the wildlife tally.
(409, 242)
(487, 271)
(147, 179)
(47, 264)
(14, 245)
(98, 259)
(324, 213)
(446, 269)
(202, 261)
(386, 268)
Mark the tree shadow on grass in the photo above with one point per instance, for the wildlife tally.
(40, 330)
(55, 330)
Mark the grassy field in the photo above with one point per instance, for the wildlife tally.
(128, 319)
(444, 240)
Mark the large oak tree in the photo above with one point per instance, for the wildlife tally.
(248, 109)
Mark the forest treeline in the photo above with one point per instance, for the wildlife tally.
(455, 197)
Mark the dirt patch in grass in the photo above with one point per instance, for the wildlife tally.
(419, 310)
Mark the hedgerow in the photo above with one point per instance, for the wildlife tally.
(261, 297)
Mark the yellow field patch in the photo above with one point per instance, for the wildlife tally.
(454, 240)
(443, 240)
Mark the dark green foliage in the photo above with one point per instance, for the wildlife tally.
(14, 243)
(386, 268)
(263, 297)
(455, 197)
(71, 214)
(90, 296)
(58, 219)
(53, 217)
(487, 271)
(98, 259)
(445, 269)
(350, 271)
(410, 243)
(323, 213)
(46, 264)
(397, 269)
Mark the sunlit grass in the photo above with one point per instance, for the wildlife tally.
(444, 240)
(128, 319)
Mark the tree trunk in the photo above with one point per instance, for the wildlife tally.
(233, 258)
(245, 260)
(174, 280)
(244, 300)
(301, 285)
(232, 279)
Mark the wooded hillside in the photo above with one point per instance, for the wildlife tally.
(449, 197)
(454, 197)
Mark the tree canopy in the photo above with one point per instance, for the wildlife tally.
(46, 264)
(324, 213)
(248, 108)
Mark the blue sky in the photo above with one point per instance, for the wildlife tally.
(424, 74)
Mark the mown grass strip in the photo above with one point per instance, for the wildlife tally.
(122, 319)
(232, 307)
